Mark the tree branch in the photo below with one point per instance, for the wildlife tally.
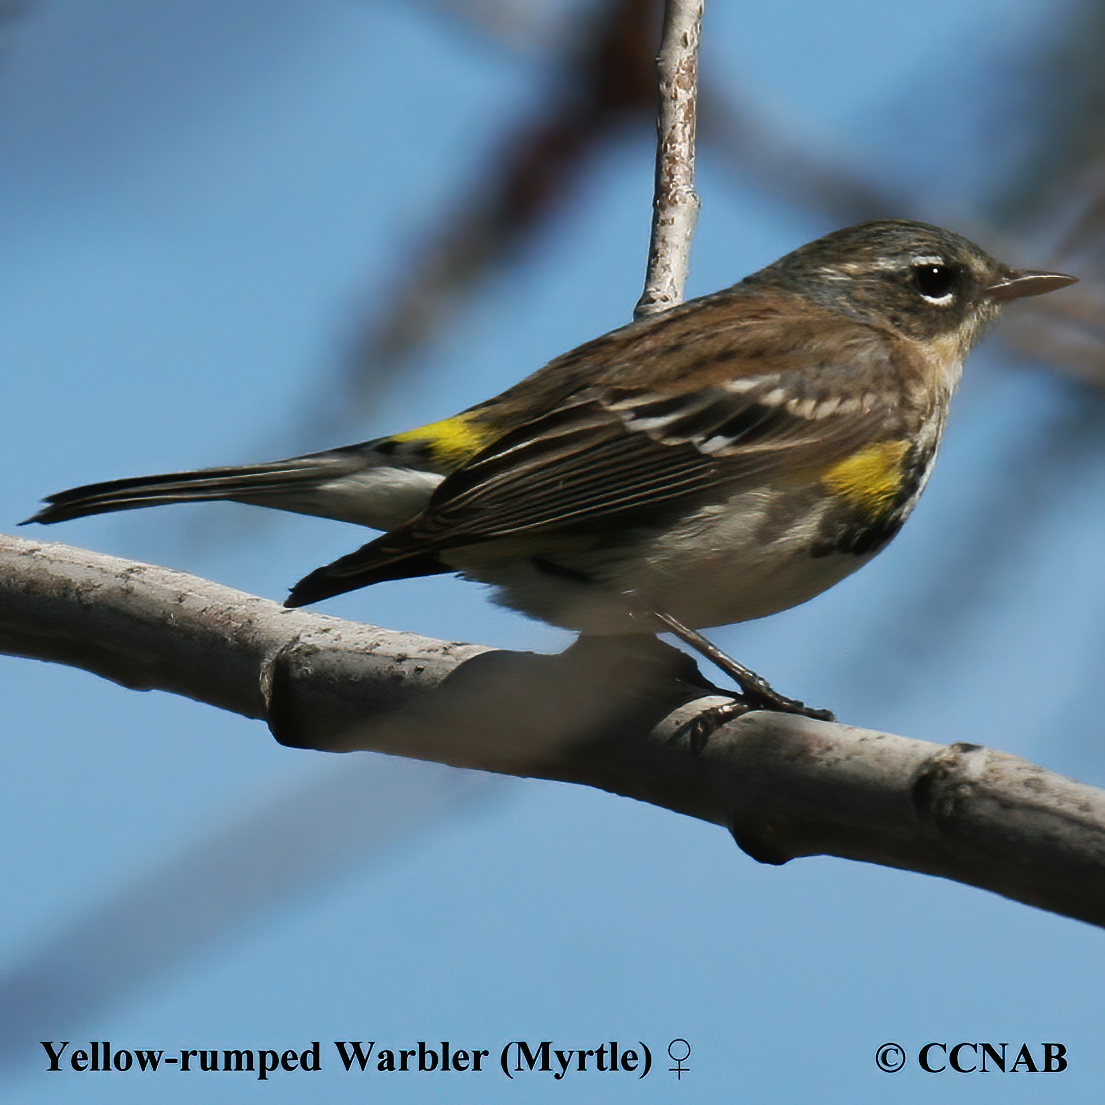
(605, 713)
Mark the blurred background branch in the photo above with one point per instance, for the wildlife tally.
(601, 84)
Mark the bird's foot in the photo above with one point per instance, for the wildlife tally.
(698, 729)
(755, 691)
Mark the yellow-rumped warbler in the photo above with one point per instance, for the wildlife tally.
(727, 459)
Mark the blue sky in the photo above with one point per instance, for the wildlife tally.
(200, 201)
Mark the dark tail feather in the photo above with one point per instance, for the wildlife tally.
(371, 563)
(205, 485)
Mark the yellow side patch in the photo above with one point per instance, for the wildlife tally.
(453, 440)
(870, 479)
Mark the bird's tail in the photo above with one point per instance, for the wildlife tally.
(357, 484)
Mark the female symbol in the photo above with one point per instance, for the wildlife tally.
(679, 1044)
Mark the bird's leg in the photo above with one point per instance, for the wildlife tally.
(756, 692)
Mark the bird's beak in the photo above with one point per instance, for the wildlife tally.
(1013, 284)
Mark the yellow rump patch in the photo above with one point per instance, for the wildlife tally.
(870, 479)
(453, 440)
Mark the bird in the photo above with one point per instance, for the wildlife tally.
(718, 462)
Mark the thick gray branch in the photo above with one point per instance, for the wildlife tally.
(606, 714)
(675, 202)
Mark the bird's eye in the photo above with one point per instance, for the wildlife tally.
(934, 281)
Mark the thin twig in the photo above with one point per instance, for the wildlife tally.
(675, 205)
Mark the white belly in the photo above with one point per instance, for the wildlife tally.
(724, 564)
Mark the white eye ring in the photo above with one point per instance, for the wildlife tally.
(942, 301)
